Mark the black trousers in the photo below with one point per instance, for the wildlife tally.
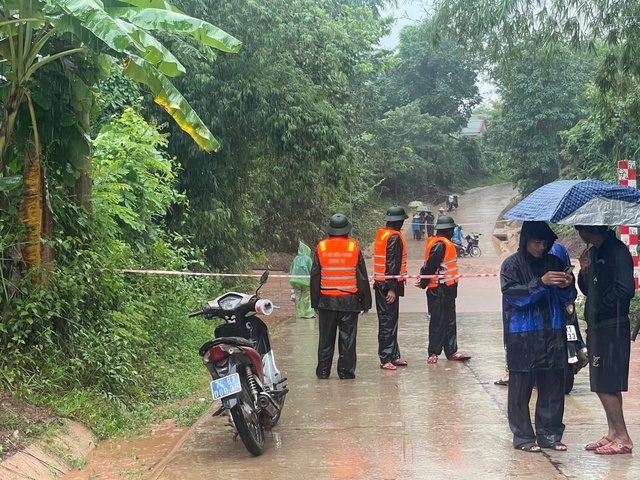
(388, 348)
(441, 304)
(549, 406)
(329, 323)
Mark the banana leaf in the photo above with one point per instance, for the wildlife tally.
(118, 34)
(154, 52)
(161, 4)
(93, 17)
(164, 20)
(169, 98)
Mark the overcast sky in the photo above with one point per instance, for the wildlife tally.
(410, 12)
(407, 13)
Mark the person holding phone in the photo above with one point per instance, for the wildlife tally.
(535, 289)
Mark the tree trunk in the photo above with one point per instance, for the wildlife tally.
(31, 207)
(48, 232)
(83, 188)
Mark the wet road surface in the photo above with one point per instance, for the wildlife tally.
(418, 422)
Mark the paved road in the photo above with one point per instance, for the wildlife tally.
(421, 422)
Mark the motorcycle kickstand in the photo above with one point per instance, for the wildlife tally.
(219, 411)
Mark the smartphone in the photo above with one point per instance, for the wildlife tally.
(568, 269)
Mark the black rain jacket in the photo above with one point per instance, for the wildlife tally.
(608, 284)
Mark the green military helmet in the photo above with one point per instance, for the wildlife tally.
(444, 222)
(395, 214)
(339, 224)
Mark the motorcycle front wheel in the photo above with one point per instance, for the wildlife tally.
(245, 418)
(475, 251)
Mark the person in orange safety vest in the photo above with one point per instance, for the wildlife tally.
(441, 259)
(389, 258)
(339, 292)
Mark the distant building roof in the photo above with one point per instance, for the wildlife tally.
(476, 126)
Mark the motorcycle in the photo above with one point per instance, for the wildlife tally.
(242, 365)
(471, 249)
(577, 357)
(451, 202)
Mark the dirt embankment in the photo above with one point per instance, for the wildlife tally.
(51, 456)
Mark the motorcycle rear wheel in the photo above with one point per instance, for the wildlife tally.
(247, 423)
(569, 377)
(475, 251)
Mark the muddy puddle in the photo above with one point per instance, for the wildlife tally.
(130, 458)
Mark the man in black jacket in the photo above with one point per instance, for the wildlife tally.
(340, 290)
(606, 278)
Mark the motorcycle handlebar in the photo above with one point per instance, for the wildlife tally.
(195, 314)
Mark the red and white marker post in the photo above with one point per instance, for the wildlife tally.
(629, 235)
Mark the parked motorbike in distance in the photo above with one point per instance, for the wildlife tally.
(451, 202)
(471, 249)
(242, 365)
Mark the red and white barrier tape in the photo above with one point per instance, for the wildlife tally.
(253, 275)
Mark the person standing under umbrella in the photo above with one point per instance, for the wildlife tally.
(431, 223)
(606, 278)
(535, 289)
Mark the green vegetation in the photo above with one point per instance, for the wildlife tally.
(91, 343)
(570, 114)
(310, 117)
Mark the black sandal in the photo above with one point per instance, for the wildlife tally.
(557, 446)
(530, 447)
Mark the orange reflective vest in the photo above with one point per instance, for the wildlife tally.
(449, 265)
(380, 254)
(338, 257)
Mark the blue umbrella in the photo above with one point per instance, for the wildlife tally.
(580, 202)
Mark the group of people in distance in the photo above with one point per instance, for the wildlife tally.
(339, 291)
(536, 285)
(422, 224)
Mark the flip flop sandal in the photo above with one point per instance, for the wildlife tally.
(596, 445)
(460, 357)
(557, 446)
(529, 447)
(501, 382)
(400, 363)
(388, 366)
(613, 449)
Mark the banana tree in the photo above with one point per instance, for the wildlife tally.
(122, 29)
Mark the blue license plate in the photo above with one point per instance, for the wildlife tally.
(225, 386)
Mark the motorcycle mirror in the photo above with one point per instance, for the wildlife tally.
(263, 280)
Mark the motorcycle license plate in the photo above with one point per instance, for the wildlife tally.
(571, 333)
(225, 386)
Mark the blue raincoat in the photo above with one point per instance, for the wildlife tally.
(533, 313)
